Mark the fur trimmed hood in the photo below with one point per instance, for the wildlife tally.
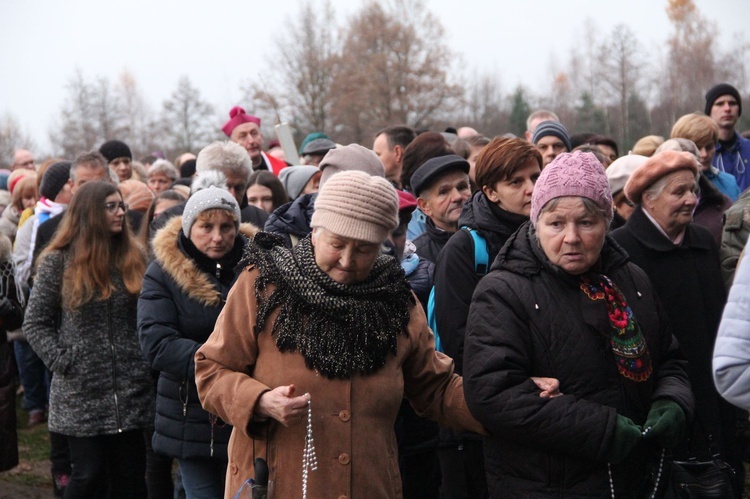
(190, 279)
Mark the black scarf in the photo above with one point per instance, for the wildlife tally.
(340, 330)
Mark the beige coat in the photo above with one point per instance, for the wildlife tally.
(352, 419)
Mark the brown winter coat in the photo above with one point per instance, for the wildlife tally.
(352, 419)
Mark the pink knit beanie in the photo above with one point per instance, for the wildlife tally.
(576, 174)
(356, 205)
(237, 116)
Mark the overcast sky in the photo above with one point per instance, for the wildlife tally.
(222, 43)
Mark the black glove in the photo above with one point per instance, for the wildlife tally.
(626, 437)
(665, 423)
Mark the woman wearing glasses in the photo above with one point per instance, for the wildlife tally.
(81, 321)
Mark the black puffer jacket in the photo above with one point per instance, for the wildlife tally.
(292, 219)
(530, 318)
(178, 307)
(455, 277)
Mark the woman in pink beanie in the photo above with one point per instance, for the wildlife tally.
(563, 301)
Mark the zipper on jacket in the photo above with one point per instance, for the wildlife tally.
(183, 386)
(114, 363)
(218, 270)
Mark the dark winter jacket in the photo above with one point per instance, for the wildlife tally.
(455, 277)
(292, 219)
(179, 304)
(688, 281)
(709, 213)
(431, 241)
(734, 236)
(101, 384)
(530, 318)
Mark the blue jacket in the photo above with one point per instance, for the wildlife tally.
(735, 160)
(725, 182)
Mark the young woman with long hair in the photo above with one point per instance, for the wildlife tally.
(81, 321)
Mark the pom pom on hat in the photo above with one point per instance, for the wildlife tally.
(237, 116)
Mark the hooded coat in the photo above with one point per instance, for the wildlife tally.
(178, 307)
(292, 220)
(530, 318)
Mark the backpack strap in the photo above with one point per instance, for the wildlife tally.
(481, 252)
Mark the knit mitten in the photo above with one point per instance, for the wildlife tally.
(626, 437)
(666, 423)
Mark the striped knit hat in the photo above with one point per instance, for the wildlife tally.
(356, 205)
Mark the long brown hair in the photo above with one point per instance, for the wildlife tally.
(85, 235)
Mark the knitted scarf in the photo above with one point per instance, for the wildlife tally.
(340, 330)
(626, 339)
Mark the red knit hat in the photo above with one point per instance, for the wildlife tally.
(656, 167)
(237, 116)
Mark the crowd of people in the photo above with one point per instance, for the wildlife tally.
(429, 315)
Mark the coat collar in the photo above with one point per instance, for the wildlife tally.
(649, 236)
(183, 269)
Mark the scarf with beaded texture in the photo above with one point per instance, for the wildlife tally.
(340, 330)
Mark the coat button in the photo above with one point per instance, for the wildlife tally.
(233, 468)
(344, 415)
(344, 458)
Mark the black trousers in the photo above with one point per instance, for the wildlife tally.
(109, 466)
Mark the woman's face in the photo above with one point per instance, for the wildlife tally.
(28, 200)
(114, 209)
(514, 194)
(571, 237)
(122, 168)
(673, 208)
(345, 260)
(313, 184)
(706, 154)
(214, 234)
(159, 183)
(260, 196)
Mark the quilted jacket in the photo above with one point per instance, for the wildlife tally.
(530, 318)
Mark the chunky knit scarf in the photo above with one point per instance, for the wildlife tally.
(340, 330)
(626, 339)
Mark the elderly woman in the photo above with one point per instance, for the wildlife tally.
(683, 261)
(562, 300)
(322, 342)
(183, 293)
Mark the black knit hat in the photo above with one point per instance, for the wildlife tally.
(555, 128)
(54, 179)
(719, 90)
(113, 149)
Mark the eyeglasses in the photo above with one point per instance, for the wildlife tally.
(113, 206)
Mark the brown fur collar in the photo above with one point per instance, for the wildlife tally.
(190, 279)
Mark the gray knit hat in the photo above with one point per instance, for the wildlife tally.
(351, 157)
(356, 205)
(555, 128)
(295, 178)
(207, 199)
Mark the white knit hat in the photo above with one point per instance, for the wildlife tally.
(208, 199)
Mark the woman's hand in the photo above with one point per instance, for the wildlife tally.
(281, 405)
(550, 387)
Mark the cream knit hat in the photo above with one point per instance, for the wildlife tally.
(356, 205)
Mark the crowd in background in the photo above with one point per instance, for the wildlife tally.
(474, 316)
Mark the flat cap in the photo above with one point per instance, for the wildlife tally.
(434, 168)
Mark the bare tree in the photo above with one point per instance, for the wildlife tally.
(484, 105)
(78, 128)
(12, 137)
(140, 129)
(393, 69)
(192, 122)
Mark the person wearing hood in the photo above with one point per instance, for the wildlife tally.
(506, 172)
(184, 291)
(562, 300)
(292, 220)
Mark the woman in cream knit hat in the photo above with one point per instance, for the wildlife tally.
(315, 349)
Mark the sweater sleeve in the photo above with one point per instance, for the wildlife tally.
(731, 360)
(455, 281)
(158, 328)
(223, 365)
(501, 394)
(43, 314)
(430, 384)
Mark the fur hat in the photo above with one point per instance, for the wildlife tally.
(54, 179)
(208, 199)
(576, 174)
(621, 169)
(351, 157)
(356, 205)
(295, 178)
(237, 116)
(657, 166)
(555, 128)
(717, 91)
(113, 149)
